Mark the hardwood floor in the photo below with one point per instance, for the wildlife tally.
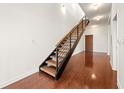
(84, 70)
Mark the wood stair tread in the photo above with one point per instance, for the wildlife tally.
(60, 51)
(51, 62)
(74, 37)
(68, 41)
(65, 45)
(64, 48)
(49, 70)
(72, 41)
(71, 38)
(59, 58)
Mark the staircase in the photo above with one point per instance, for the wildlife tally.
(56, 62)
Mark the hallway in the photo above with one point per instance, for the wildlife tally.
(84, 70)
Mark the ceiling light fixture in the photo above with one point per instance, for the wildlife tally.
(95, 6)
(63, 8)
(97, 18)
(74, 5)
(93, 26)
(63, 5)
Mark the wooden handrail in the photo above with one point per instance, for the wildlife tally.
(69, 33)
(64, 52)
(62, 39)
(65, 36)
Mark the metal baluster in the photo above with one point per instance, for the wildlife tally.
(70, 40)
(77, 31)
(82, 25)
(85, 21)
(57, 59)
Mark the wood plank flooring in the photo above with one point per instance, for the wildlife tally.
(84, 71)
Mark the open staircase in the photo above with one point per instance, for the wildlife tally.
(56, 62)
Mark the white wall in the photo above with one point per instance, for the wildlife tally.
(109, 39)
(79, 48)
(119, 10)
(113, 37)
(120, 28)
(118, 42)
(28, 34)
(100, 38)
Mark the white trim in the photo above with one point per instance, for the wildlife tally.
(75, 53)
(114, 68)
(99, 51)
(119, 85)
(15, 79)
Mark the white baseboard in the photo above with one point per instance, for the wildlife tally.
(119, 85)
(114, 68)
(17, 78)
(75, 53)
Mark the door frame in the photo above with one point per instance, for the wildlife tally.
(92, 42)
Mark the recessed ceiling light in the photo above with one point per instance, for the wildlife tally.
(74, 6)
(63, 5)
(97, 18)
(95, 6)
(63, 8)
(93, 26)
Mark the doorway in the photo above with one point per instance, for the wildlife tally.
(89, 43)
(115, 49)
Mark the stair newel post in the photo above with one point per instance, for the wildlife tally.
(57, 59)
(70, 40)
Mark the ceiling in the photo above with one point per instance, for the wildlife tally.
(98, 14)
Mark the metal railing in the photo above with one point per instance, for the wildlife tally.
(68, 41)
(65, 47)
